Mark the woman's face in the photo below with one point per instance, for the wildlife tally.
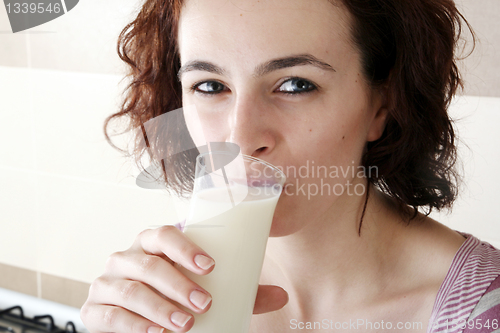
(282, 80)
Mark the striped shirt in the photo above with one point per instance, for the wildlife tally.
(468, 300)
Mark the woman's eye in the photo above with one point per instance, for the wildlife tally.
(209, 87)
(296, 86)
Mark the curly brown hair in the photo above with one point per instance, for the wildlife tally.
(406, 46)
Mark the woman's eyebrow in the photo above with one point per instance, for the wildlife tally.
(198, 65)
(270, 66)
(292, 61)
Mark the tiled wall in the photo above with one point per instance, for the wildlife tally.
(68, 199)
(475, 211)
(482, 68)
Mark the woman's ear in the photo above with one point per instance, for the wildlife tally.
(379, 121)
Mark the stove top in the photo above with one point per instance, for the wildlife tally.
(13, 320)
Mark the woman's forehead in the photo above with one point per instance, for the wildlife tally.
(283, 26)
(252, 5)
(266, 9)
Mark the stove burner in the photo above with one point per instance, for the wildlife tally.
(43, 323)
(6, 329)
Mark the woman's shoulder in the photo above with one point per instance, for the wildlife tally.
(472, 277)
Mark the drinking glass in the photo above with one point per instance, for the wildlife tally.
(230, 217)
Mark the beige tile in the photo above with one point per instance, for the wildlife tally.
(65, 291)
(18, 279)
(70, 109)
(482, 68)
(84, 39)
(475, 210)
(14, 48)
(18, 224)
(13, 51)
(16, 126)
(83, 222)
(4, 21)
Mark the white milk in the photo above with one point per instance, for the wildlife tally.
(236, 239)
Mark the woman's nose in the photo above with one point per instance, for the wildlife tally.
(251, 127)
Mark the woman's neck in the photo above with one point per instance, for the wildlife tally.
(329, 255)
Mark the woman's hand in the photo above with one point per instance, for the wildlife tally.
(141, 289)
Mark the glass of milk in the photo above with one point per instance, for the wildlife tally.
(230, 217)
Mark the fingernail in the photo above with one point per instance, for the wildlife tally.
(179, 319)
(199, 299)
(156, 329)
(203, 262)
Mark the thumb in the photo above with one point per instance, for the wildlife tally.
(269, 298)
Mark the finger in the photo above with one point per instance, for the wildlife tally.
(270, 298)
(171, 242)
(100, 318)
(140, 299)
(160, 275)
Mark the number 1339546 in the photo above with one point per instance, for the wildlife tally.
(25, 8)
(477, 323)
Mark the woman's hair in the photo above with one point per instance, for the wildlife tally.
(407, 48)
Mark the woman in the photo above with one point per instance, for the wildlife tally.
(345, 84)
